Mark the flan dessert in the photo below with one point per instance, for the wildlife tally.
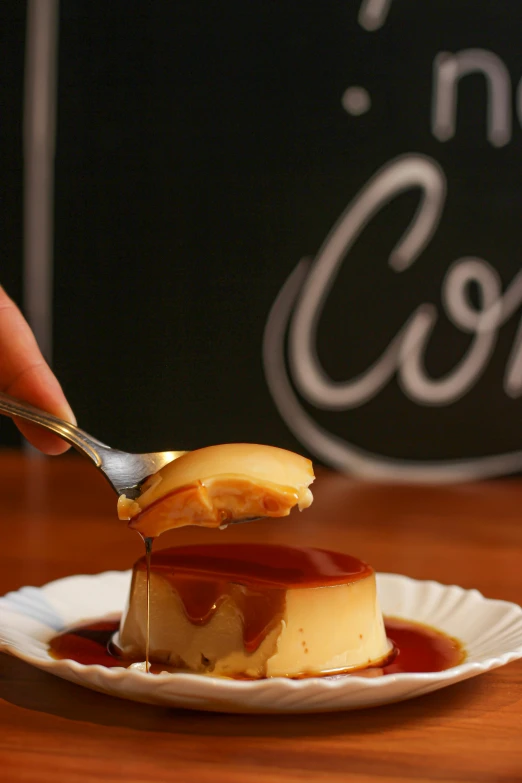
(214, 486)
(254, 611)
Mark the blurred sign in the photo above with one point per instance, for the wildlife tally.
(473, 298)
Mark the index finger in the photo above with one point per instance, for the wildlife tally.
(25, 374)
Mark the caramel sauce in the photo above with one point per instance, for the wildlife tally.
(148, 554)
(204, 576)
(87, 644)
(418, 648)
(258, 565)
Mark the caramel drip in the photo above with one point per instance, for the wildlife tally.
(148, 553)
(202, 595)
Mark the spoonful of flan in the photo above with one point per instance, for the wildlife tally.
(220, 485)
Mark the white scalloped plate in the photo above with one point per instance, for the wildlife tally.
(491, 632)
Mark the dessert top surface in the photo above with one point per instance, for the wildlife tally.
(269, 565)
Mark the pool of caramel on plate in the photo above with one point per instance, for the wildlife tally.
(418, 648)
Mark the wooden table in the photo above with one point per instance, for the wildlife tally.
(58, 518)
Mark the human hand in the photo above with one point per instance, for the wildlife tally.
(25, 374)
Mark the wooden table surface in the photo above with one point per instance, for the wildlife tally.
(58, 518)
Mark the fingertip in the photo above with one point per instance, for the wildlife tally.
(41, 439)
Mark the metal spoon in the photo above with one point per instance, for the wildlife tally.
(124, 472)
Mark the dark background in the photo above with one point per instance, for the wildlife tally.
(202, 150)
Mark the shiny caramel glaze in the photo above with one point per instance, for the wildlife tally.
(258, 565)
(418, 648)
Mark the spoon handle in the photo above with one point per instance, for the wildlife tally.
(85, 443)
